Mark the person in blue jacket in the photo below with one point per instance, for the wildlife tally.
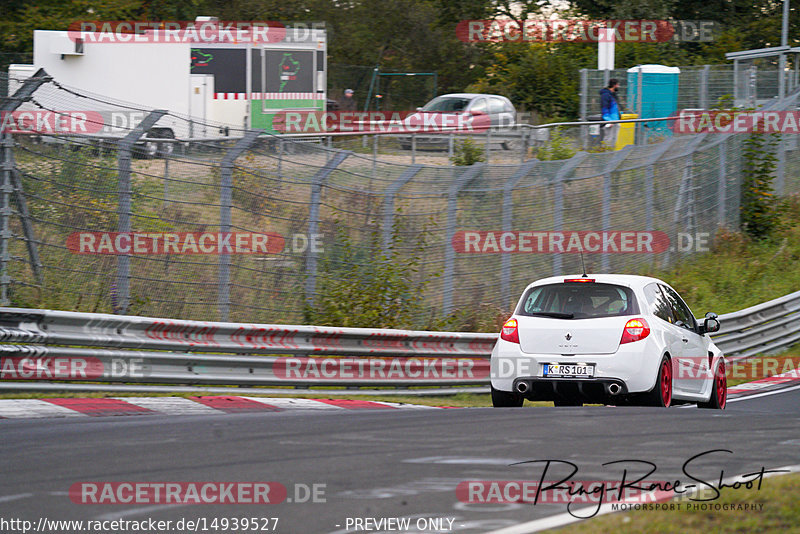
(610, 110)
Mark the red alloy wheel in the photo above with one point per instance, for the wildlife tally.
(721, 383)
(666, 383)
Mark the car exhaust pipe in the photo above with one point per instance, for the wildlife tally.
(522, 387)
(614, 389)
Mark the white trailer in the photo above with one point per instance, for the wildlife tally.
(213, 87)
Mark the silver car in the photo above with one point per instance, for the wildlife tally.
(501, 112)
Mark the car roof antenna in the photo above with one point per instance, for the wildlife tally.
(583, 264)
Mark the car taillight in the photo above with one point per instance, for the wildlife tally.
(509, 331)
(635, 330)
(583, 280)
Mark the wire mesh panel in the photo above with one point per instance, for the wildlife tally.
(233, 225)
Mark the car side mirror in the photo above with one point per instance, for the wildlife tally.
(419, 109)
(710, 324)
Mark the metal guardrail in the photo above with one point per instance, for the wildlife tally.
(43, 349)
(764, 328)
(57, 345)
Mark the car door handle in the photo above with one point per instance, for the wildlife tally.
(685, 340)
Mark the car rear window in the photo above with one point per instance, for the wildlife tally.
(579, 300)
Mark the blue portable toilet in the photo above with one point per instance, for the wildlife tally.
(659, 96)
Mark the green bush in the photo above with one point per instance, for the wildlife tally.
(466, 153)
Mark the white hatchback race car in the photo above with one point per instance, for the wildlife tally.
(607, 339)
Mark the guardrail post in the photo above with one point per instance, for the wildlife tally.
(388, 205)
(558, 201)
(225, 205)
(469, 174)
(124, 210)
(8, 105)
(313, 222)
(508, 216)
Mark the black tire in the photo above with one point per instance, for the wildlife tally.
(719, 391)
(661, 394)
(506, 399)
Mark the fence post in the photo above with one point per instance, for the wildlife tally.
(639, 110)
(649, 180)
(616, 161)
(558, 200)
(584, 109)
(27, 227)
(703, 96)
(313, 221)
(508, 216)
(388, 205)
(225, 205)
(780, 168)
(469, 174)
(124, 210)
(722, 183)
(7, 105)
(6, 168)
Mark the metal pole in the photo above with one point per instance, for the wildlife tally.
(508, 217)
(780, 168)
(782, 57)
(558, 200)
(23, 94)
(703, 89)
(225, 205)
(722, 184)
(317, 182)
(584, 110)
(124, 209)
(7, 167)
(469, 174)
(280, 157)
(388, 205)
(166, 179)
(27, 226)
(640, 102)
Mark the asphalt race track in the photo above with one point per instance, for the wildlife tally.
(382, 463)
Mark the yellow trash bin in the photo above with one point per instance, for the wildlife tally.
(627, 131)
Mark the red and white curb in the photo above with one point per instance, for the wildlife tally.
(212, 405)
(756, 385)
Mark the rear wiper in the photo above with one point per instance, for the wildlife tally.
(556, 315)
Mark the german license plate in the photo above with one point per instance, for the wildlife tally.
(572, 370)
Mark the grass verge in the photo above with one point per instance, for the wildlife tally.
(780, 513)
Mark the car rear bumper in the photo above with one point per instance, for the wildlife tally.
(634, 366)
(583, 389)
